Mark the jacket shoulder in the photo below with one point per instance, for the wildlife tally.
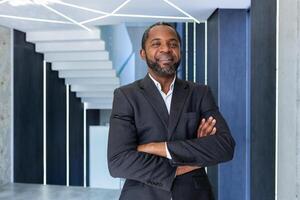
(129, 88)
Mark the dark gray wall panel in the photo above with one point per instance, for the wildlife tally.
(200, 53)
(263, 97)
(76, 140)
(190, 35)
(28, 112)
(56, 127)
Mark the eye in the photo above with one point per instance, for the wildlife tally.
(155, 44)
(173, 45)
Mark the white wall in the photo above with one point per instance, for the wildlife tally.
(99, 174)
(288, 126)
(5, 105)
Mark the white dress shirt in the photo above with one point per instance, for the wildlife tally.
(167, 99)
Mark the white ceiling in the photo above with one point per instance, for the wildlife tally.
(198, 9)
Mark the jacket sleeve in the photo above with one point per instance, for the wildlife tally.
(124, 161)
(209, 150)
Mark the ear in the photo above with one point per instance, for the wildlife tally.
(143, 54)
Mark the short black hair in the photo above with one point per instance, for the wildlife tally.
(146, 33)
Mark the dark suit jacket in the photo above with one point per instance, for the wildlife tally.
(139, 116)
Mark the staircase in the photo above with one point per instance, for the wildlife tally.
(80, 58)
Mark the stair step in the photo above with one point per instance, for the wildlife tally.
(79, 65)
(87, 73)
(95, 94)
(44, 47)
(91, 81)
(62, 35)
(76, 56)
(93, 88)
(97, 100)
(98, 106)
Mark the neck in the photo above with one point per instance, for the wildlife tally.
(165, 81)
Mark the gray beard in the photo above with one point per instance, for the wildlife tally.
(160, 71)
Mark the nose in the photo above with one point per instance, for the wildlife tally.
(164, 48)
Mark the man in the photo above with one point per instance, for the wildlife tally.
(163, 130)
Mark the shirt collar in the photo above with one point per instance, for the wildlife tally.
(157, 84)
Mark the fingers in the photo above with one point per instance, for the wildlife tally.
(201, 125)
(207, 127)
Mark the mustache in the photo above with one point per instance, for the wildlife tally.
(164, 57)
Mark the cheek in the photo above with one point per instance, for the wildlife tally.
(177, 54)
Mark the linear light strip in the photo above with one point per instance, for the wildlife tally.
(12, 105)
(67, 135)
(44, 124)
(65, 16)
(179, 9)
(35, 19)
(194, 50)
(186, 51)
(107, 15)
(84, 145)
(149, 16)
(276, 100)
(205, 53)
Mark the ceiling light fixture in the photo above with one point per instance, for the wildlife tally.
(45, 4)
(35, 19)
(182, 11)
(66, 17)
(151, 16)
(31, 2)
(107, 15)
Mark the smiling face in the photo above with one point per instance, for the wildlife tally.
(162, 51)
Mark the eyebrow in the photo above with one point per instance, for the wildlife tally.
(157, 39)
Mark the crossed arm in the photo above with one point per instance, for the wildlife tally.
(126, 159)
(206, 127)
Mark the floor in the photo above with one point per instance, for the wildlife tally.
(19, 191)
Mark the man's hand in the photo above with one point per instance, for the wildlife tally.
(207, 127)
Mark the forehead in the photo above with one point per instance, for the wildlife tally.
(162, 32)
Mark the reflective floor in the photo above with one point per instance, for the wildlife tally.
(18, 191)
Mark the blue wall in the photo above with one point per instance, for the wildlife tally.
(228, 76)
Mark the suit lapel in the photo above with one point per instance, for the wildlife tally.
(180, 93)
(155, 99)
